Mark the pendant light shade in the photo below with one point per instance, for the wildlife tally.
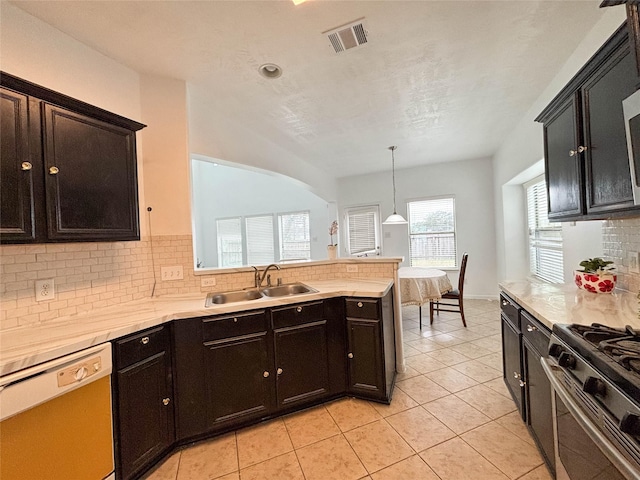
(394, 218)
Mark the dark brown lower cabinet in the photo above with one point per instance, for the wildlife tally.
(143, 400)
(512, 363)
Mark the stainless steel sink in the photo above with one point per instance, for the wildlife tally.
(230, 297)
(288, 289)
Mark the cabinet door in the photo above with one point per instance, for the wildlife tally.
(538, 400)
(301, 363)
(16, 174)
(364, 346)
(238, 378)
(564, 170)
(145, 413)
(606, 158)
(512, 364)
(90, 178)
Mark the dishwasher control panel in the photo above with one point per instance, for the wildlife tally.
(79, 371)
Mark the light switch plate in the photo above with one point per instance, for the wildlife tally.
(171, 273)
(45, 290)
(633, 262)
(352, 268)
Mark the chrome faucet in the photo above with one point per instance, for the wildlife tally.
(260, 278)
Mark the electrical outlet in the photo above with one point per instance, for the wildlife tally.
(208, 282)
(352, 268)
(171, 273)
(45, 290)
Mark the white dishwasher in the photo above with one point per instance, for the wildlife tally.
(55, 419)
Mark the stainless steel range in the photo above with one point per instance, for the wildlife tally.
(595, 374)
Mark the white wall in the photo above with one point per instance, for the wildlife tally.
(523, 147)
(471, 182)
(222, 192)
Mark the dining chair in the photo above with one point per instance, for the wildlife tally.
(454, 299)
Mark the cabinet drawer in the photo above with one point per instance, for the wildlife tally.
(297, 314)
(537, 334)
(140, 346)
(216, 328)
(511, 310)
(362, 308)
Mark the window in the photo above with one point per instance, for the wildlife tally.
(545, 239)
(260, 248)
(295, 237)
(362, 226)
(229, 235)
(432, 233)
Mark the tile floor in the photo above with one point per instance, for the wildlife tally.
(451, 418)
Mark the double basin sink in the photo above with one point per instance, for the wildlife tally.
(257, 293)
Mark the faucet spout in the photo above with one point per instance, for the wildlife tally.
(260, 278)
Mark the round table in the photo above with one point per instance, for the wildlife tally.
(419, 285)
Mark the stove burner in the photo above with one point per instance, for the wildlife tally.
(622, 345)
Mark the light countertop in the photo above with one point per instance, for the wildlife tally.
(565, 303)
(30, 345)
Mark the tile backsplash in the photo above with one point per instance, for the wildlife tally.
(90, 276)
(619, 239)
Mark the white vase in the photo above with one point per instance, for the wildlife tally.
(332, 251)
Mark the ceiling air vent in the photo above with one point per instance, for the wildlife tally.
(347, 36)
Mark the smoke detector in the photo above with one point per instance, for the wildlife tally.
(348, 36)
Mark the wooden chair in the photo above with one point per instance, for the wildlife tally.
(454, 299)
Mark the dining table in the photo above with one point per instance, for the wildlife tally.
(420, 285)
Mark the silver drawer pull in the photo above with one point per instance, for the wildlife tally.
(350, 355)
(516, 375)
(360, 304)
(531, 328)
(144, 340)
(504, 303)
(165, 401)
(235, 320)
(265, 374)
(522, 384)
(279, 371)
(298, 309)
(26, 166)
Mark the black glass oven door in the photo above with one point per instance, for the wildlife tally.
(579, 455)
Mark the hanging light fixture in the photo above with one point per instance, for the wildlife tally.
(394, 218)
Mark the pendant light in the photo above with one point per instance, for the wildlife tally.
(394, 218)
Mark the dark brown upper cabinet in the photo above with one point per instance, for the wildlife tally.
(68, 168)
(586, 159)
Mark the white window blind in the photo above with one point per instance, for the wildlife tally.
(545, 239)
(362, 226)
(229, 237)
(432, 232)
(295, 237)
(260, 240)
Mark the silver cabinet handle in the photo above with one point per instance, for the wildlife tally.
(522, 384)
(165, 401)
(26, 166)
(279, 371)
(350, 355)
(235, 320)
(299, 309)
(360, 304)
(504, 303)
(531, 328)
(53, 170)
(265, 374)
(144, 340)
(581, 149)
(573, 153)
(516, 375)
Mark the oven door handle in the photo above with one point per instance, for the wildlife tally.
(607, 448)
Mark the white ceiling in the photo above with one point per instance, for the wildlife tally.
(443, 80)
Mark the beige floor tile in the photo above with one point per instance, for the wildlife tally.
(262, 442)
(470, 350)
(400, 402)
(167, 470)
(509, 453)
(409, 351)
(448, 356)
(498, 386)
(479, 372)
(424, 363)
(488, 401)
(466, 335)
(424, 345)
(419, 428)
(422, 389)
(446, 340)
(514, 423)
(540, 473)
(209, 459)
(451, 379)
(231, 476)
(456, 460)
(444, 326)
(492, 343)
(330, 459)
(408, 336)
(284, 467)
(310, 426)
(350, 413)
(408, 373)
(456, 414)
(378, 445)
(409, 469)
(493, 360)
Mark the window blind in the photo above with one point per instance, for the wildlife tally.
(295, 237)
(432, 232)
(362, 230)
(545, 238)
(260, 240)
(229, 241)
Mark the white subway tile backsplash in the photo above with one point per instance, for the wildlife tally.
(619, 238)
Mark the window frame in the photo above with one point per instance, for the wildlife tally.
(220, 252)
(377, 233)
(439, 265)
(281, 243)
